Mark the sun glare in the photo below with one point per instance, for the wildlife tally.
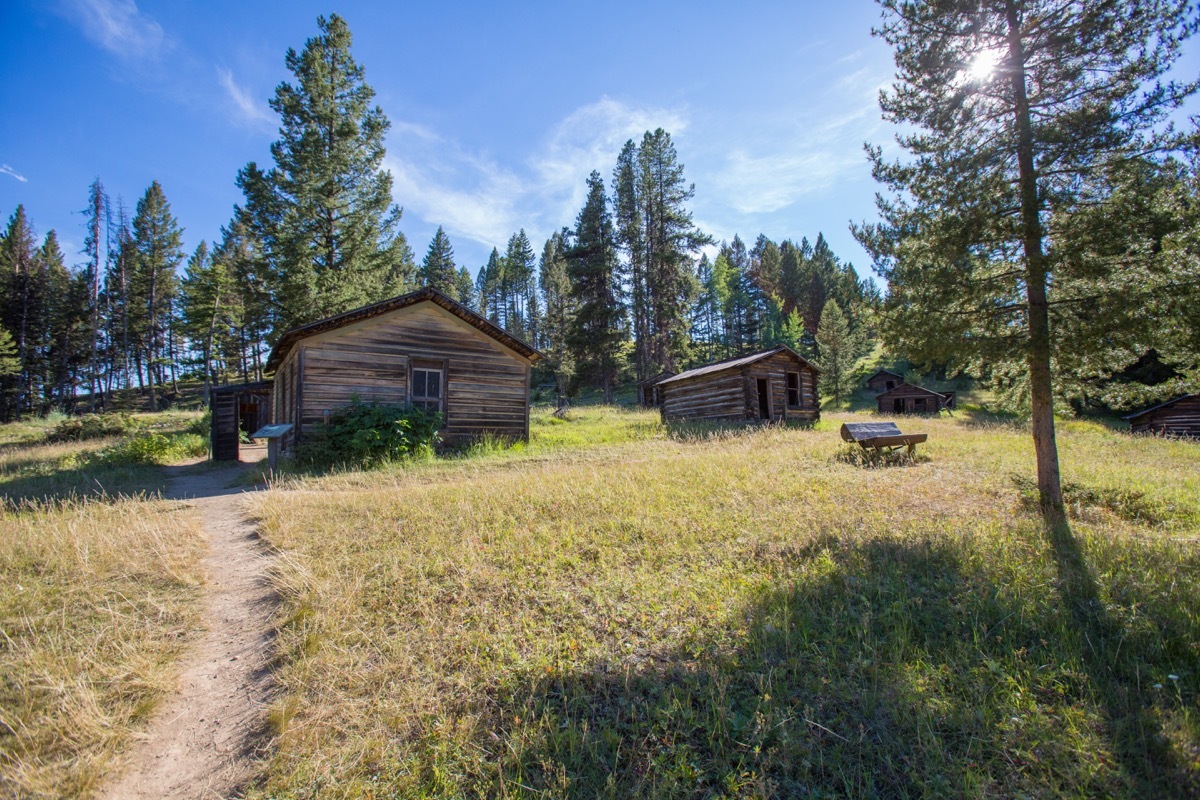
(983, 65)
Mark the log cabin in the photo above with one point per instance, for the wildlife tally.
(1178, 417)
(773, 385)
(905, 398)
(647, 390)
(422, 349)
(884, 380)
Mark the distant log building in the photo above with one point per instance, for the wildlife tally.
(904, 398)
(1178, 417)
(422, 349)
(774, 385)
(883, 380)
(647, 390)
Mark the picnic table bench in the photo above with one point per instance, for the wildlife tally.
(882, 437)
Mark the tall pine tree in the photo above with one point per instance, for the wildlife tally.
(599, 326)
(324, 211)
(1016, 114)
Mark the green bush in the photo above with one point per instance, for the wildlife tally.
(155, 448)
(367, 434)
(91, 426)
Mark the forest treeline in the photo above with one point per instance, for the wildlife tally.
(626, 291)
(632, 286)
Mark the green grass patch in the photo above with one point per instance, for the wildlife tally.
(740, 614)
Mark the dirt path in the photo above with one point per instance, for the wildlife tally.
(204, 741)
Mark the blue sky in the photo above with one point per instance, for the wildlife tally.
(499, 111)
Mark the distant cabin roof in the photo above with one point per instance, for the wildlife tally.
(907, 388)
(733, 363)
(1171, 402)
(290, 338)
(883, 372)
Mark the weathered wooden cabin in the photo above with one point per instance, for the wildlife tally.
(1178, 417)
(883, 380)
(421, 348)
(240, 408)
(905, 398)
(774, 385)
(647, 390)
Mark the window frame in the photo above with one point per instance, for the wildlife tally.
(793, 390)
(424, 399)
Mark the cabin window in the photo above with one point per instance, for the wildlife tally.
(793, 389)
(427, 389)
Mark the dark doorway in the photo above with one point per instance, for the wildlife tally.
(898, 406)
(891, 385)
(919, 405)
(764, 400)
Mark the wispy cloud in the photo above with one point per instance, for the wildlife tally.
(5, 169)
(248, 110)
(476, 198)
(590, 138)
(817, 152)
(118, 26)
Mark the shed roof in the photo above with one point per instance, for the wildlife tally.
(908, 387)
(884, 372)
(427, 294)
(740, 361)
(1171, 402)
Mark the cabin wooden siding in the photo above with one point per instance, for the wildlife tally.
(485, 385)
(1180, 418)
(732, 394)
(913, 399)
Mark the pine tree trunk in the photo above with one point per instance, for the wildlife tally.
(1041, 383)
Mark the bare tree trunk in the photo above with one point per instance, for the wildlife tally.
(1041, 381)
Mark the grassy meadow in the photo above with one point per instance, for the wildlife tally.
(100, 582)
(619, 610)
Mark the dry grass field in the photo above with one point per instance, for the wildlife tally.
(617, 610)
(99, 583)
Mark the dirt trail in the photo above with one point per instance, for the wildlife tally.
(205, 739)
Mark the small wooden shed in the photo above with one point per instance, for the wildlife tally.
(1178, 417)
(647, 390)
(883, 380)
(908, 399)
(773, 385)
(421, 348)
(237, 408)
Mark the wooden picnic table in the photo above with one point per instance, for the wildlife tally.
(882, 437)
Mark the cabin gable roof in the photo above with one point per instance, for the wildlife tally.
(290, 338)
(735, 363)
(882, 372)
(909, 389)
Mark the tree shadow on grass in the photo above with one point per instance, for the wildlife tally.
(52, 485)
(891, 669)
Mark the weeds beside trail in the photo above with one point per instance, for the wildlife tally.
(99, 590)
(728, 613)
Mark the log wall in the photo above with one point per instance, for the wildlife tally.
(733, 394)
(909, 395)
(1181, 418)
(486, 385)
